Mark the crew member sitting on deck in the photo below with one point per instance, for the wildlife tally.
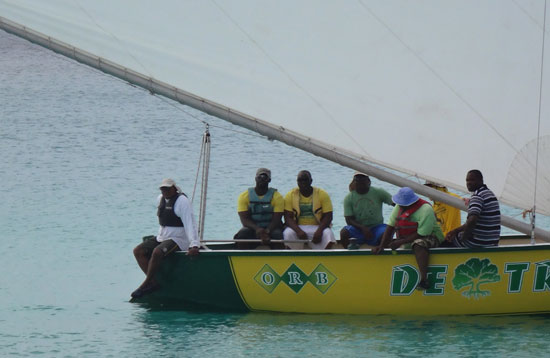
(260, 210)
(177, 230)
(482, 227)
(414, 221)
(363, 212)
(308, 215)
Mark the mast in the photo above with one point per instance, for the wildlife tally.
(291, 138)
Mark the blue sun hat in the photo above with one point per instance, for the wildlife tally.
(405, 197)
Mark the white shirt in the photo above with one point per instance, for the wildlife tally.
(186, 236)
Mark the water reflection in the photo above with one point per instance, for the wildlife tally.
(295, 335)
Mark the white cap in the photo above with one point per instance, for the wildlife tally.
(167, 183)
(357, 172)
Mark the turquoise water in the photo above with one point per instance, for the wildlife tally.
(82, 157)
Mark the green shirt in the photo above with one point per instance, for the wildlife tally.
(425, 217)
(367, 208)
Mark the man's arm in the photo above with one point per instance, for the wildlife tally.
(291, 223)
(469, 226)
(386, 237)
(184, 210)
(325, 222)
(278, 204)
(326, 218)
(387, 198)
(475, 205)
(395, 244)
(350, 220)
(246, 220)
(275, 221)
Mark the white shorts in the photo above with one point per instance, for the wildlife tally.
(289, 234)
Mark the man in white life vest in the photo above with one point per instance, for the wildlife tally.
(177, 230)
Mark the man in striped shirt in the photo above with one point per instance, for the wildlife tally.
(482, 228)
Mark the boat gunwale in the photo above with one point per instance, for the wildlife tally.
(368, 252)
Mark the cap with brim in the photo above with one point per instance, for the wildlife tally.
(357, 172)
(405, 197)
(167, 183)
(264, 171)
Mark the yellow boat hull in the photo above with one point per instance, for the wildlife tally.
(486, 282)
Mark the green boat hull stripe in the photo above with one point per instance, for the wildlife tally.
(237, 284)
(194, 282)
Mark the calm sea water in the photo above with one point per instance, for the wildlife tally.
(82, 157)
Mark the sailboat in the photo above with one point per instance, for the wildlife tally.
(403, 91)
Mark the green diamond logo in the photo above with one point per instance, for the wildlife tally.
(267, 278)
(321, 278)
(295, 278)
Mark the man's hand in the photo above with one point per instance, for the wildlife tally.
(259, 232)
(317, 236)
(450, 235)
(264, 236)
(193, 251)
(395, 244)
(301, 234)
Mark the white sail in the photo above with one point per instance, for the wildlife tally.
(429, 88)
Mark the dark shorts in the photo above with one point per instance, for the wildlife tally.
(246, 233)
(150, 243)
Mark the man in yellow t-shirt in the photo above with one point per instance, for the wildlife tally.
(260, 210)
(308, 215)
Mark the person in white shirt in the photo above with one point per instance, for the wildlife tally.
(177, 230)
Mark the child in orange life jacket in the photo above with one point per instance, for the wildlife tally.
(414, 222)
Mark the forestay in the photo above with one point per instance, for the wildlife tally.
(428, 88)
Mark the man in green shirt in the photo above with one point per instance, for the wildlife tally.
(363, 212)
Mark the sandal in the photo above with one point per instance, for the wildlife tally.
(423, 285)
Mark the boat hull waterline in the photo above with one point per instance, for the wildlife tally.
(503, 280)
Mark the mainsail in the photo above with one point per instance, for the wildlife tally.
(431, 89)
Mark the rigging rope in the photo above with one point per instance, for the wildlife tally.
(533, 213)
(204, 182)
(197, 173)
(204, 163)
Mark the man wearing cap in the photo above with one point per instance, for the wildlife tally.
(178, 230)
(363, 212)
(414, 221)
(260, 210)
(482, 227)
(308, 215)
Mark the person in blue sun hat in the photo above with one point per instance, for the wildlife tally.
(415, 225)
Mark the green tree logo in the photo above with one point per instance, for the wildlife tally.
(473, 274)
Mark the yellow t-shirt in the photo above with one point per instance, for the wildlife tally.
(448, 217)
(307, 216)
(277, 202)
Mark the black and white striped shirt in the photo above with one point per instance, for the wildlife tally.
(484, 204)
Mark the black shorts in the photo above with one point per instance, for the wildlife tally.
(150, 243)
